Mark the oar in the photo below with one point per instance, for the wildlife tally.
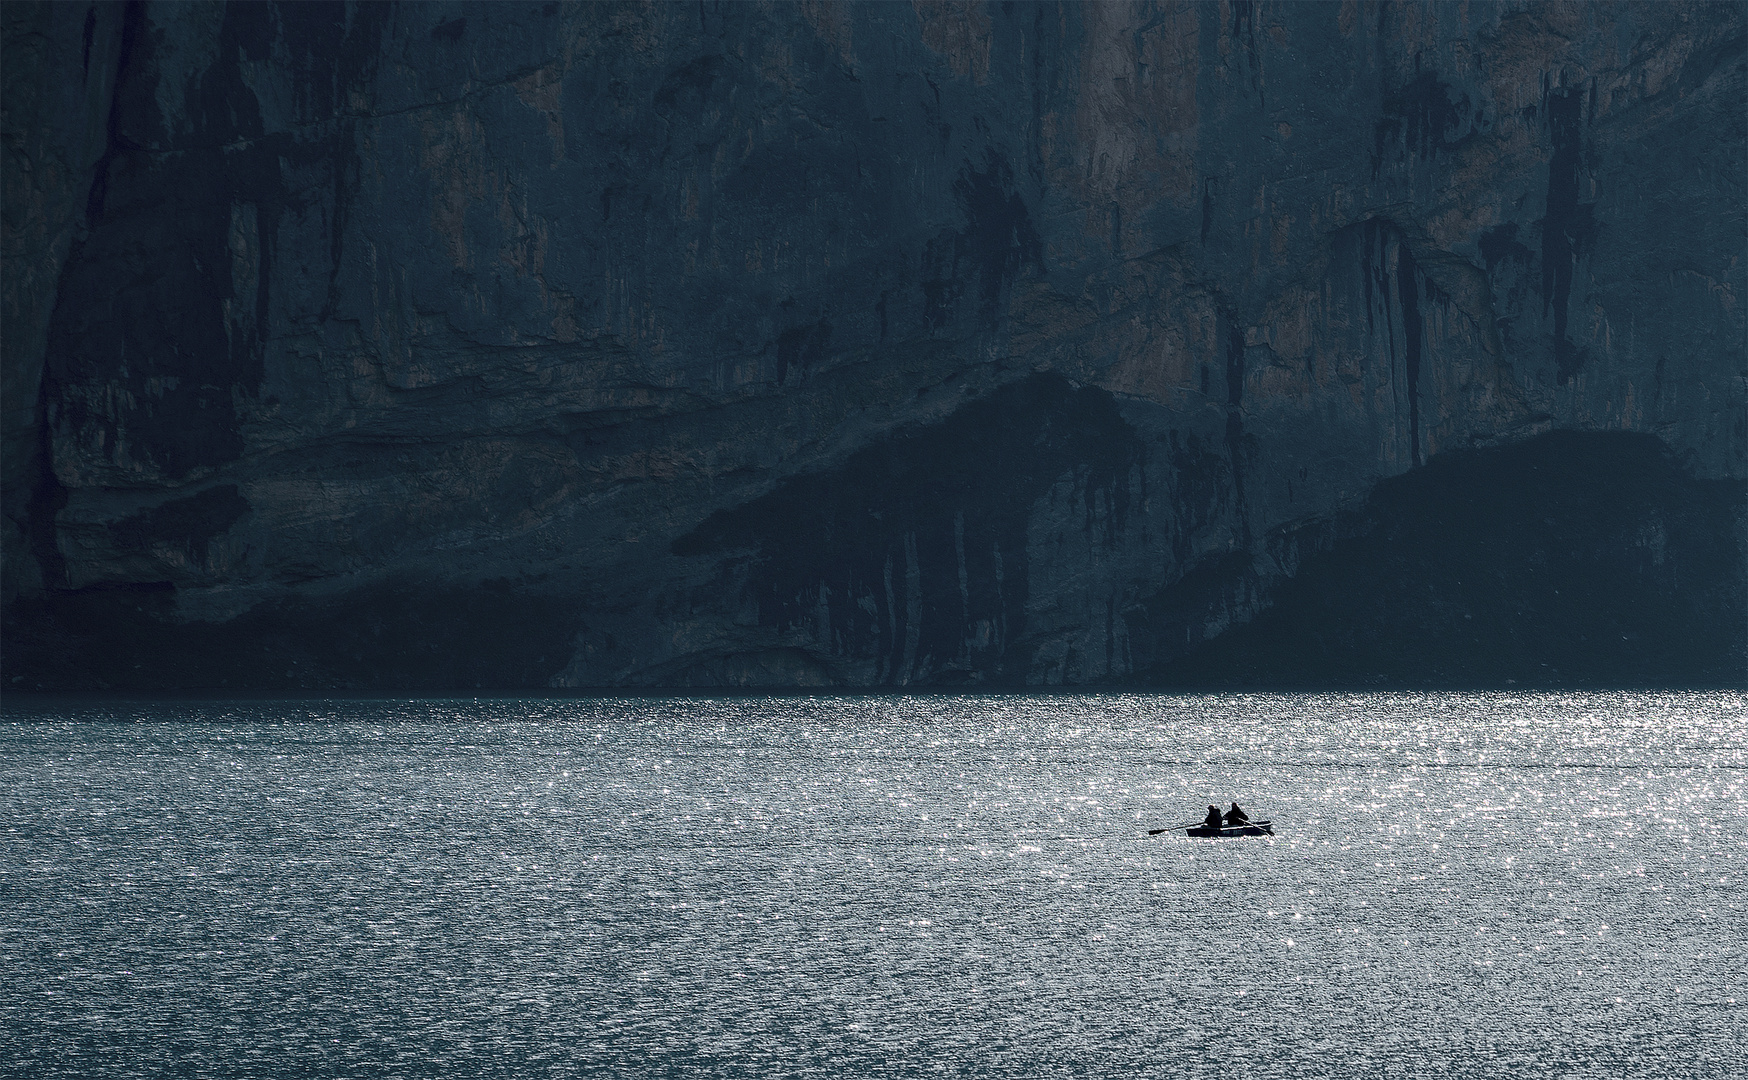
(1173, 828)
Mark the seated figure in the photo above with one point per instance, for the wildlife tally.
(1237, 816)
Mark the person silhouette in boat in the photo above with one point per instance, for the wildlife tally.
(1213, 819)
(1237, 816)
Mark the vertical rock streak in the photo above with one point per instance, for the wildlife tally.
(1569, 224)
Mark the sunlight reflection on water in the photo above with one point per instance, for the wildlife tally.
(1461, 884)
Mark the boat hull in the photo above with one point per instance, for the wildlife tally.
(1255, 828)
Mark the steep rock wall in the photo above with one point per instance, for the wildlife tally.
(589, 344)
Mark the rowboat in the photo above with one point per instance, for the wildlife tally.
(1250, 828)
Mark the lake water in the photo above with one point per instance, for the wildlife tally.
(1487, 885)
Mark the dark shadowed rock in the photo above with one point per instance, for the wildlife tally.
(1575, 557)
(564, 344)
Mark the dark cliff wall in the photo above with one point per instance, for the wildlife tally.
(698, 344)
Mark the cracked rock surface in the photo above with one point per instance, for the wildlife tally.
(569, 345)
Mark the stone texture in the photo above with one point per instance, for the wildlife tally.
(795, 344)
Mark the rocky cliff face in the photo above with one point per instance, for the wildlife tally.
(796, 344)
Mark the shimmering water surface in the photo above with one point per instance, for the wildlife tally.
(1462, 885)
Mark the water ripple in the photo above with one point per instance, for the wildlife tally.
(1471, 885)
